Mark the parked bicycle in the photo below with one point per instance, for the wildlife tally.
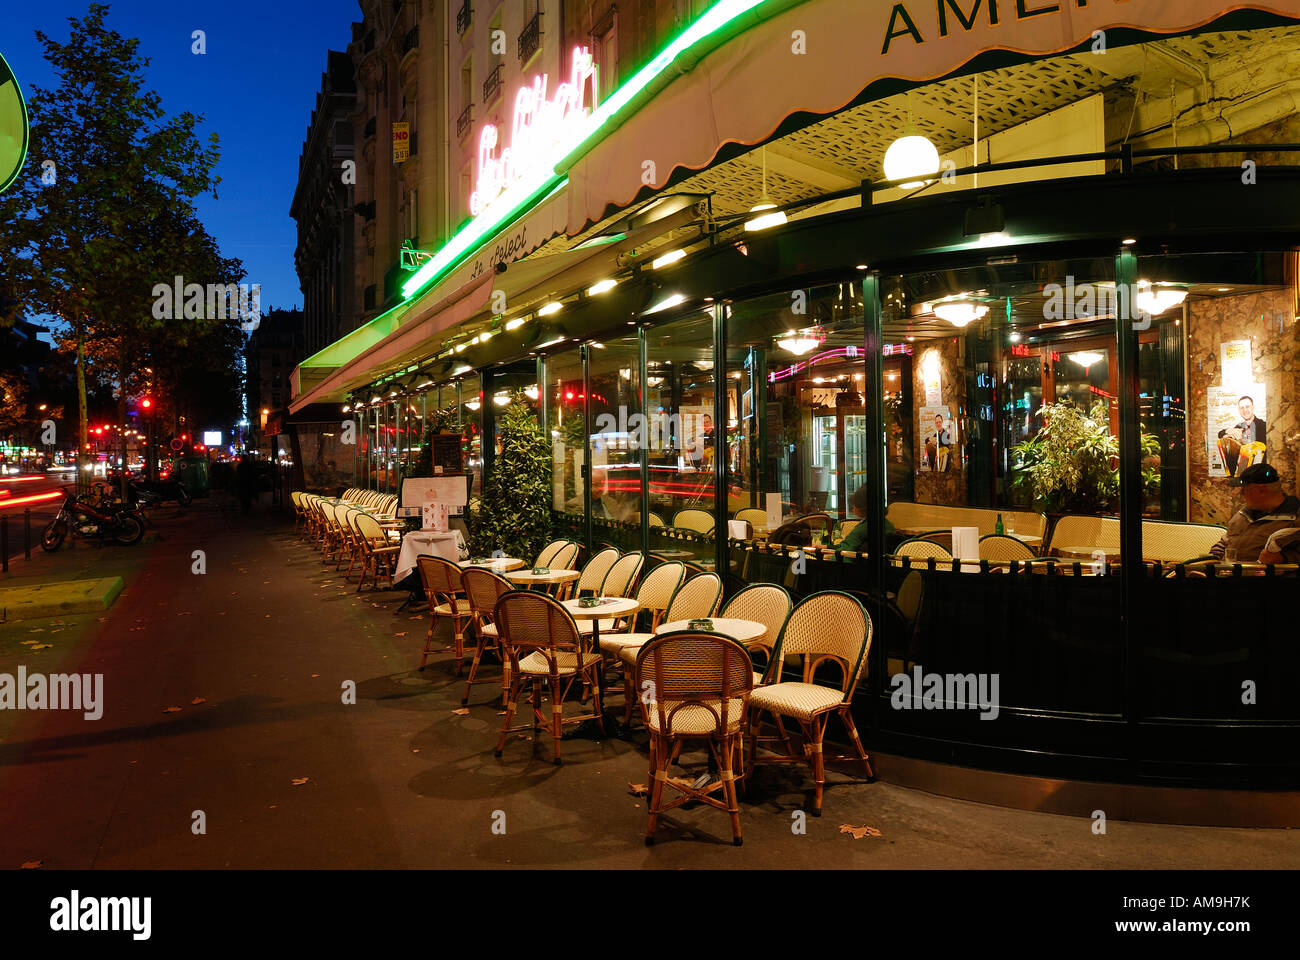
(82, 518)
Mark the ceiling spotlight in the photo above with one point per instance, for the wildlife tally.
(531, 392)
(1129, 241)
(516, 323)
(553, 307)
(670, 301)
(1086, 358)
(472, 404)
(608, 283)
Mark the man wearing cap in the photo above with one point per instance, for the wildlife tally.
(1267, 528)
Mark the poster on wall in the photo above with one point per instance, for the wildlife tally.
(1234, 363)
(697, 432)
(932, 379)
(1237, 435)
(938, 436)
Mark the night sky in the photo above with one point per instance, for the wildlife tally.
(255, 87)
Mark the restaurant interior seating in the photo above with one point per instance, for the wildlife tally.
(914, 518)
(826, 627)
(544, 649)
(699, 687)
(919, 548)
(700, 521)
(1001, 547)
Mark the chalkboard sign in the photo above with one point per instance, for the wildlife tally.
(447, 452)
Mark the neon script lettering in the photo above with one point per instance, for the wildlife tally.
(540, 126)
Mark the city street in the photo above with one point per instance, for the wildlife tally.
(223, 692)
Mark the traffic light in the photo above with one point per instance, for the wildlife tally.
(146, 403)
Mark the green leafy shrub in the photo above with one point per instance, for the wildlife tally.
(1072, 464)
(514, 513)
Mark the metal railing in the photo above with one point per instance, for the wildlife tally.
(463, 17)
(464, 120)
(530, 38)
(493, 84)
(411, 40)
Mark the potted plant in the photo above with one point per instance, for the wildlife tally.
(1072, 464)
(514, 512)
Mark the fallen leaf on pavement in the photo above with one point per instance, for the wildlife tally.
(28, 643)
(637, 789)
(461, 712)
(37, 630)
(416, 750)
(33, 864)
(415, 618)
(859, 832)
(171, 709)
(402, 634)
(183, 613)
(299, 781)
(42, 646)
(102, 619)
(315, 675)
(197, 700)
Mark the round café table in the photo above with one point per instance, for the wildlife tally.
(526, 578)
(498, 565)
(1085, 552)
(742, 631)
(613, 607)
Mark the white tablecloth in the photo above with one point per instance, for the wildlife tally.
(425, 543)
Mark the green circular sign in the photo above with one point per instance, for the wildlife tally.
(13, 126)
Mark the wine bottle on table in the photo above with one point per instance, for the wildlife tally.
(998, 528)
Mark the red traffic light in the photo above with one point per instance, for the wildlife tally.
(146, 403)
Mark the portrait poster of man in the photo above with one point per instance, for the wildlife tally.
(938, 439)
(1237, 428)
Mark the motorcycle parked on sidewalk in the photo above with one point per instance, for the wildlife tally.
(82, 518)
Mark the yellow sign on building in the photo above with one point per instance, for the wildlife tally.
(401, 142)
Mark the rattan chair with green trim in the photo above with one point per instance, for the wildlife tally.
(443, 588)
(697, 598)
(544, 650)
(697, 687)
(622, 576)
(827, 627)
(483, 589)
(999, 547)
(765, 603)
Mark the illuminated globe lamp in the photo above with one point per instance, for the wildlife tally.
(1154, 302)
(800, 343)
(960, 311)
(910, 156)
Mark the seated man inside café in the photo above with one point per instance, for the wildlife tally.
(857, 537)
(1267, 528)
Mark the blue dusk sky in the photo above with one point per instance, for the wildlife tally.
(255, 87)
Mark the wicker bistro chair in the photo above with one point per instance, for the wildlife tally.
(483, 589)
(555, 552)
(700, 521)
(594, 572)
(544, 649)
(379, 554)
(697, 598)
(765, 603)
(920, 549)
(844, 528)
(697, 686)
(622, 576)
(828, 626)
(998, 547)
(443, 587)
(754, 516)
(654, 594)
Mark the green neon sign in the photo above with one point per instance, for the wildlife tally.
(526, 192)
(13, 126)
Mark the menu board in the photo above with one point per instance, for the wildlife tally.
(447, 452)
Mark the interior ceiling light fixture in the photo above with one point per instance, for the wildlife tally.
(910, 156)
(553, 307)
(607, 284)
(800, 343)
(1156, 301)
(501, 399)
(666, 303)
(516, 323)
(671, 257)
(1086, 358)
(472, 404)
(765, 203)
(531, 391)
(959, 311)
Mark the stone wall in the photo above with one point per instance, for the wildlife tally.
(1268, 321)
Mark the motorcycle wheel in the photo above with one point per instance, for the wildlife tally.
(53, 536)
(128, 529)
(183, 496)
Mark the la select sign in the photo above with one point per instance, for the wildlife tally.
(540, 126)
